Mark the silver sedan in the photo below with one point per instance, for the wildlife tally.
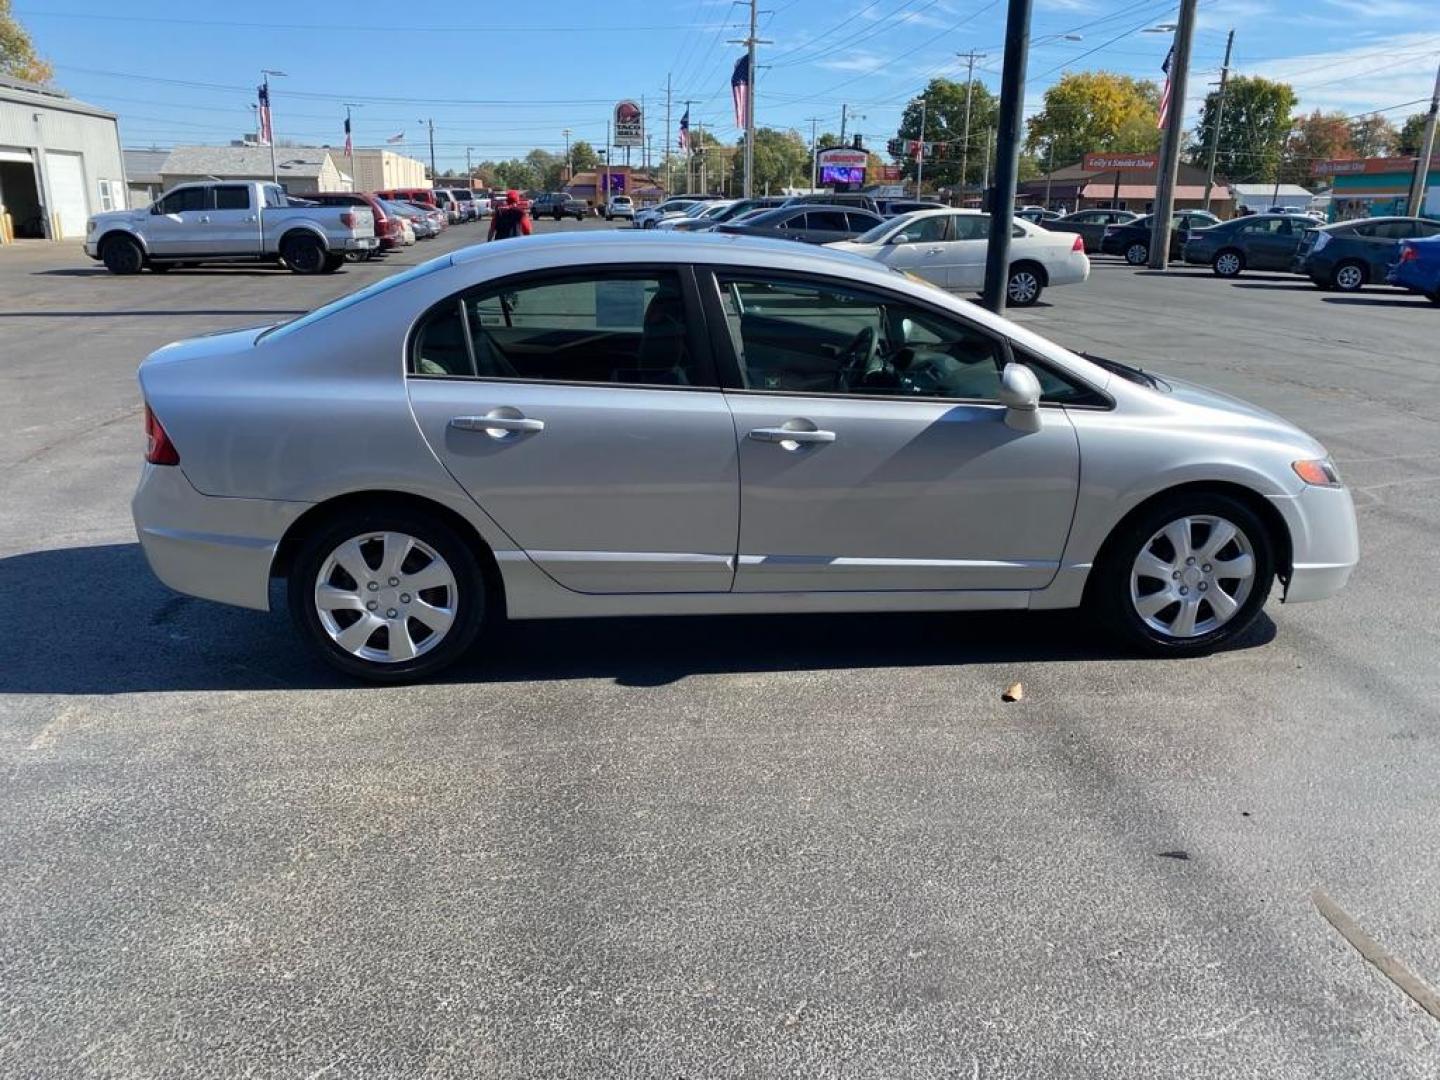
(653, 424)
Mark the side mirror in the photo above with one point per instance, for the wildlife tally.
(1020, 394)
(155, 208)
(900, 238)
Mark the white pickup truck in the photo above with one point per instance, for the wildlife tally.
(229, 221)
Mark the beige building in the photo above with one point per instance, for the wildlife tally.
(378, 169)
(299, 169)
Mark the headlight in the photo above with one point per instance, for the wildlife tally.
(1319, 472)
(90, 225)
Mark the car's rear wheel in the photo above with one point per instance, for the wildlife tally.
(387, 595)
(1228, 263)
(1025, 285)
(303, 254)
(122, 255)
(1350, 276)
(334, 262)
(1137, 254)
(1187, 575)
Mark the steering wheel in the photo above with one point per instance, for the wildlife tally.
(857, 358)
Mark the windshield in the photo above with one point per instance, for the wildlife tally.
(359, 296)
(885, 228)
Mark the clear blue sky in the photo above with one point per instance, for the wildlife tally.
(504, 78)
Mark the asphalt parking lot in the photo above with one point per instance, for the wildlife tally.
(791, 846)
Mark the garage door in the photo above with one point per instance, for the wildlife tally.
(67, 190)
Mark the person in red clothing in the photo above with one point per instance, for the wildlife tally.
(512, 219)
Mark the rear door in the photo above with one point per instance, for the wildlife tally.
(825, 226)
(966, 262)
(581, 411)
(234, 224)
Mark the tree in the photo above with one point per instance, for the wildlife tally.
(1256, 126)
(17, 55)
(1095, 111)
(1317, 137)
(781, 160)
(516, 173)
(1412, 135)
(583, 156)
(1373, 136)
(945, 124)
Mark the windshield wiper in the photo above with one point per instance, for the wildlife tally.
(1131, 374)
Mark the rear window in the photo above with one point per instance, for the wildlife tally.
(357, 297)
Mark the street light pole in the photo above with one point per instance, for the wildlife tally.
(269, 117)
(1007, 154)
(970, 59)
(569, 173)
(1174, 129)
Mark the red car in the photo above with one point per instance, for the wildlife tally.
(390, 231)
(423, 195)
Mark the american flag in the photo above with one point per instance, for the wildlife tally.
(685, 132)
(266, 133)
(349, 149)
(1165, 93)
(399, 136)
(740, 90)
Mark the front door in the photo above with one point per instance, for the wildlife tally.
(873, 452)
(177, 221)
(581, 412)
(921, 248)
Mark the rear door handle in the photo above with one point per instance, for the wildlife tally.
(784, 435)
(499, 425)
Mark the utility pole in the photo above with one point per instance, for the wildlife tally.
(1049, 167)
(607, 163)
(985, 175)
(970, 59)
(814, 154)
(1007, 154)
(569, 172)
(469, 170)
(431, 125)
(1219, 119)
(1174, 128)
(750, 41)
(669, 188)
(920, 155)
(1427, 149)
(844, 115)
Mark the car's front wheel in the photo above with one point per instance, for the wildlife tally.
(387, 595)
(1187, 575)
(122, 255)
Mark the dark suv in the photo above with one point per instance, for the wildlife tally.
(558, 205)
(1351, 254)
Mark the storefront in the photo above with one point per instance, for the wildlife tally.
(1378, 187)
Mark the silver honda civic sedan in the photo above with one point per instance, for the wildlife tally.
(667, 424)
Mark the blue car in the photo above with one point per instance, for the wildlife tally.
(1418, 267)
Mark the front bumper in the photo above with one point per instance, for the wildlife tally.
(360, 243)
(214, 548)
(1324, 542)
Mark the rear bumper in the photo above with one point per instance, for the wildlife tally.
(1324, 541)
(214, 548)
(360, 243)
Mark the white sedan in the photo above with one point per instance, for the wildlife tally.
(947, 248)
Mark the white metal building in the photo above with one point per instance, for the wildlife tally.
(60, 161)
(378, 169)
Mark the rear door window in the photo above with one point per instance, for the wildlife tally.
(232, 197)
(826, 220)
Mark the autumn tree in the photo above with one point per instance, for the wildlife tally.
(1254, 131)
(945, 123)
(1095, 111)
(1373, 136)
(1317, 137)
(1412, 135)
(17, 55)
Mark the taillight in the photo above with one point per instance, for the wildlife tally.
(1079, 244)
(347, 218)
(159, 450)
(1408, 253)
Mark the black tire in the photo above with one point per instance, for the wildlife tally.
(1435, 297)
(1109, 592)
(1352, 275)
(159, 267)
(1228, 263)
(558, 215)
(1026, 283)
(122, 255)
(303, 254)
(1321, 283)
(1137, 253)
(471, 604)
(334, 262)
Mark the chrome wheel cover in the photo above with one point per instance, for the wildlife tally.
(1193, 576)
(390, 582)
(1024, 287)
(1136, 254)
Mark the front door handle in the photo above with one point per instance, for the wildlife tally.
(499, 424)
(205, 219)
(790, 435)
(935, 251)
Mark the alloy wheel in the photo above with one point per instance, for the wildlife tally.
(1192, 576)
(1136, 254)
(1349, 277)
(386, 597)
(1227, 264)
(1024, 287)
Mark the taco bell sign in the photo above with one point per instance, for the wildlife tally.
(629, 125)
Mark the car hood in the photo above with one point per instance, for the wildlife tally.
(120, 217)
(1236, 409)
